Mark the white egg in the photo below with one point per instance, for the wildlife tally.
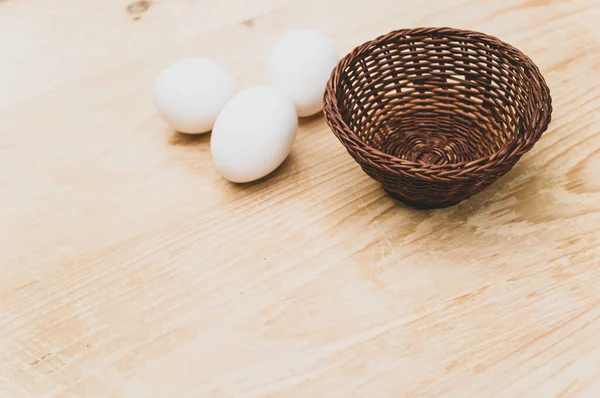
(190, 93)
(300, 65)
(253, 134)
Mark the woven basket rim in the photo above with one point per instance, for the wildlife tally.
(517, 147)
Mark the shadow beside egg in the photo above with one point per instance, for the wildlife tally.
(202, 141)
(285, 169)
(308, 125)
(183, 139)
(303, 121)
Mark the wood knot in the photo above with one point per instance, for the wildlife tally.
(137, 8)
(582, 177)
(250, 22)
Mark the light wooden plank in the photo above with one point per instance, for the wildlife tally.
(131, 269)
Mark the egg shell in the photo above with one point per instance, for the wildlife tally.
(300, 65)
(253, 134)
(190, 93)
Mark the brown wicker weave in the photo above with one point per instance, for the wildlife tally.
(436, 114)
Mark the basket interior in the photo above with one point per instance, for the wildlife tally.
(436, 99)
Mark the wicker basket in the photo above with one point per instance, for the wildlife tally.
(436, 114)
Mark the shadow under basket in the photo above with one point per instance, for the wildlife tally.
(436, 114)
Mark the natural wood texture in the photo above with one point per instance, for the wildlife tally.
(131, 269)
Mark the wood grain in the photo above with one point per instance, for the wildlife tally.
(131, 269)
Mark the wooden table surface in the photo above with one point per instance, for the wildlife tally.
(131, 269)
